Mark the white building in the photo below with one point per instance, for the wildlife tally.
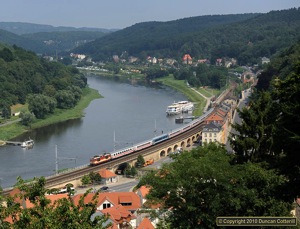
(211, 133)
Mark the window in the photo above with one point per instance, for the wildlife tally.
(126, 204)
(108, 205)
(205, 135)
(209, 134)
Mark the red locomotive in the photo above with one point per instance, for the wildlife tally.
(98, 159)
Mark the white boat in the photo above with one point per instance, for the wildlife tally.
(27, 144)
(181, 106)
(186, 106)
(174, 109)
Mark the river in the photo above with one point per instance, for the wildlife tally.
(127, 114)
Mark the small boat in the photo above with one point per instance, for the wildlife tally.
(27, 144)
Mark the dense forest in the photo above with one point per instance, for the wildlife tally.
(246, 37)
(24, 75)
(60, 42)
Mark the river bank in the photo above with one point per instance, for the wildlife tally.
(15, 129)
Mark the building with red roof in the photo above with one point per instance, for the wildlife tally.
(108, 176)
(187, 59)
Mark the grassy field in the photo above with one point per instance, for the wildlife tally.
(181, 86)
(13, 130)
(208, 92)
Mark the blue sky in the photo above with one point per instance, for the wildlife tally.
(123, 13)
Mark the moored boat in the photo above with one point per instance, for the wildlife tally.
(174, 109)
(186, 106)
(181, 106)
(27, 144)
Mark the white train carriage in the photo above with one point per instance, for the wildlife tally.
(143, 145)
(122, 152)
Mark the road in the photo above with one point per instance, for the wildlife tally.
(236, 118)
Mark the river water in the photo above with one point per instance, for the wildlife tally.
(127, 114)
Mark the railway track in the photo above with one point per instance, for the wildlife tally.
(78, 173)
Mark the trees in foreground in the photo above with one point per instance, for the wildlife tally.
(43, 213)
(205, 183)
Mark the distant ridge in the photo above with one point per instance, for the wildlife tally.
(25, 28)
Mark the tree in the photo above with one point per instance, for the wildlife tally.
(26, 118)
(41, 105)
(43, 213)
(140, 161)
(65, 99)
(95, 177)
(286, 95)
(204, 183)
(6, 111)
(85, 180)
(6, 55)
(254, 140)
(133, 171)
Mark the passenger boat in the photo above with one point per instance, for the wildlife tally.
(186, 106)
(174, 109)
(27, 144)
(181, 106)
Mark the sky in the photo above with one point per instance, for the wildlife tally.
(118, 14)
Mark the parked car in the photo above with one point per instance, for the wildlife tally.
(104, 188)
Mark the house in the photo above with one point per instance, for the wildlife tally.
(219, 62)
(120, 206)
(120, 217)
(132, 59)
(142, 192)
(215, 118)
(129, 200)
(203, 61)
(211, 133)
(265, 60)
(187, 59)
(108, 176)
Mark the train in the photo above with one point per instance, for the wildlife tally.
(99, 159)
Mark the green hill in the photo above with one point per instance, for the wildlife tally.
(246, 37)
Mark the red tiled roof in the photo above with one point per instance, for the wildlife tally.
(145, 224)
(214, 117)
(118, 213)
(114, 198)
(106, 173)
(144, 190)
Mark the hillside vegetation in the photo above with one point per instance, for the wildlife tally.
(246, 37)
(23, 74)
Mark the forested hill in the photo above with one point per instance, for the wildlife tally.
(152, 37)
(245, 37)
(23, 73)
(47, 39)
(13, 39)
(62, 41)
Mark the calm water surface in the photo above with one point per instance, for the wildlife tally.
(131, 112)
